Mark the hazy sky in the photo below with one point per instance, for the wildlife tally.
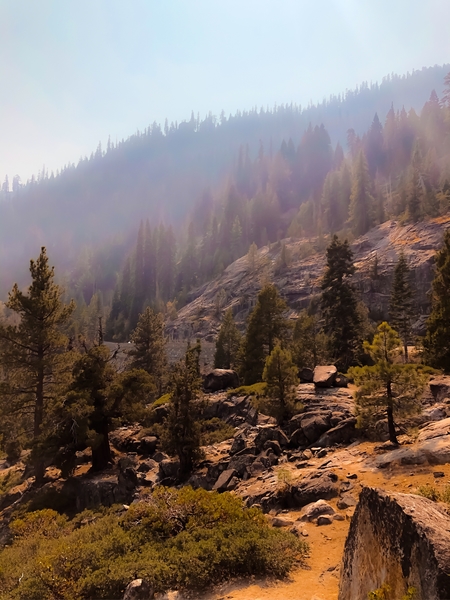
(75, 71)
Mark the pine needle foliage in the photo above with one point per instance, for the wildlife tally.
(401, 310)
(228, 343)
(395, 388)
(34, 357)
(149, 351)
(437, 340)
(280, 374)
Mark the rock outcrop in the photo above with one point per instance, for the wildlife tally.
(398, 540)
(220, 379)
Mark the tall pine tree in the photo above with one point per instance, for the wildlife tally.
(401, 308)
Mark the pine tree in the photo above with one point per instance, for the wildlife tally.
(280, 374)
(252, 257)
(309, 342)
(228, 343)
(437, 339)
(99, 396)
(182, 432)
(401, 308)
(342, 320)
(149, 351)
(34, 354)
(266, 326)
(387, 385)
(361, 200)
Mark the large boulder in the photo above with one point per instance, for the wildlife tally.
(223, 482)
(396, 540)
(325, 376)
(341, 434)
(318, 486)
(314, 425)
(220, 379)
(306, 375)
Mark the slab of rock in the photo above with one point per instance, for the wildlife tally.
(346, 501)
(282, 522)
(241, 463)
(298, 439)
(168, 468)
(325, 376)
(400, 540)
(238, 444)
(434, 430)
(324, 520)
(315, 425)
(321, 486)
(224, 479)
(220, 379)
(316, 509)
(139, 589)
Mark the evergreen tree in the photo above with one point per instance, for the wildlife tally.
(228, 343)
(99, 397)
(342, 319)
(34, 354)
(387, 385)
(149, 351)
(266, 326)
(361, 200)
(401, 310)
(309, 342)
(252, 257)
(182, 432)
(437, 339)
(280, 374)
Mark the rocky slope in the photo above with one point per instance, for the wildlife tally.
(239, 285)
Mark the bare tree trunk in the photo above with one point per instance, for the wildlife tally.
(38, 463)
(390, 416)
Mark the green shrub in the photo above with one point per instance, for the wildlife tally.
(161, 400)
(430, 492)
(214, 431)
(9, 480)
(175, 538)
(257, 389)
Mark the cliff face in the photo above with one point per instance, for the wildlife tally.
(298, 283)
(398, 540)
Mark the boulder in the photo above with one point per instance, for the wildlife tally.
(220, 379)
(139, 589)
(273, 445)
(298, 439)
(241, 463)
(440, 388)
(269, 432)
(315, 425)
(346, 501)
(147, 445)
(340, 381)
(318, 486)
(398, 540)
(434, 430)
(324, 520)
(168, 468)
(306, 375)
(282, 522)
(341, 434)
(325, 376)
(224, 479)
(238, 444)
(316, 509)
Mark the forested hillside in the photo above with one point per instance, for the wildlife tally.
(205, 190)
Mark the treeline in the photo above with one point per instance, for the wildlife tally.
(399, 170)
(162, 174)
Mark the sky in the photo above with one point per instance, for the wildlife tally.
(74, 72)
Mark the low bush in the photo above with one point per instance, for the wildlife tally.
(257, 389)
(177, 539)
(9, 480)
(214, 431)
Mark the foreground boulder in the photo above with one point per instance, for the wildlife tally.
(325, 376)
(220, 379)
(398, 540)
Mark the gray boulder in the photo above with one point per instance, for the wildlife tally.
(306, 375)
(270, 433)
(341, 434)
(220, 379)
(318, 486)
(222, 484)
(325, 376)
(400, 540)
(316, 509)
(315, 425)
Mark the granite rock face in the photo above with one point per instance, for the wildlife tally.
(398, 540)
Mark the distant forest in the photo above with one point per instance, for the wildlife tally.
(148, 219)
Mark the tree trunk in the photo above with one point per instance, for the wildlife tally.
(101, 453)
(390, 416)
(38, 463)
(405, 347)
